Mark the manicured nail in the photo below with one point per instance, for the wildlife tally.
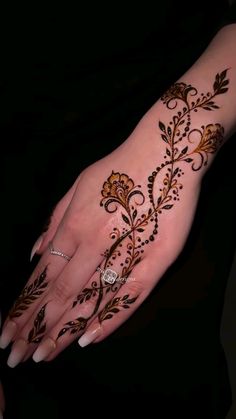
(36, 247)
(89, 336)
(44, 350)
(8, 334)
(17, 353)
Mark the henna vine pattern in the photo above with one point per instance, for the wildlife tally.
(29, 294)
(119, 191)
(111, 308)
(36, 334)
(73, 326)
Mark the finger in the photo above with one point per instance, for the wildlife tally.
(110, 314)
(93, 298)
(54, 220)
(120, 307)
(45, 273)
(58, 299)
(129, 297)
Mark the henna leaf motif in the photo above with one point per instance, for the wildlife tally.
(134, 215)
(114, 306)
(162, 127)
(36, 334)
(220, 83)
(73, 327)
(126, 220)
(29, 294)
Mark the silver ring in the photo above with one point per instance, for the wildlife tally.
(57, 252)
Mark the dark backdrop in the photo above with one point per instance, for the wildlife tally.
(65, 106)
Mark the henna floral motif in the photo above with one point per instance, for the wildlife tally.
(119, 188)
(211, 138)
(139, 228)
(29, 294)
(177, 91)
(36, 334)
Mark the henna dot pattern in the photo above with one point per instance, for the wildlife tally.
(183, 145)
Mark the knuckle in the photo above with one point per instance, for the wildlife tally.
(61, 292)
(88, 306)
(71, 222)
(136, 286)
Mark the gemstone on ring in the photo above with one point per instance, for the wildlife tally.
(109, 276)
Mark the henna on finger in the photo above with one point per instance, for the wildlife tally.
(38, 330)
(31, 292)
(184, 145)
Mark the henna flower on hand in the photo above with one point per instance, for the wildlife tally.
(118, 188)
(177, 91)
(212, 138)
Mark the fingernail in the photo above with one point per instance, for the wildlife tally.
(89, 336)
(8, 334)
(44, 350)
(17, 353)
(36, 247)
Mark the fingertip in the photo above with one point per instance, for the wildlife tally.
(8, 333)
(90, 336)
(36, 247)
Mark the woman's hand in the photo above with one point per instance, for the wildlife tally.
(123, 223)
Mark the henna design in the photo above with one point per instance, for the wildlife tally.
(29, 294)
(87, 293)
(111, 308)
(119, 190)
(74, 326)
(36, 334)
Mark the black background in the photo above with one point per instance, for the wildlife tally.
(73, 86)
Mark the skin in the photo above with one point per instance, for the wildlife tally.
(130, 212)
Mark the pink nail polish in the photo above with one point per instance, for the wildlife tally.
(36, 247)
(89, 336)
(17, 353)
(44, 350)
(8, 334)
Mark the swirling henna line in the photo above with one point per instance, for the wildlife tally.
(211, 137)
(119, 188)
